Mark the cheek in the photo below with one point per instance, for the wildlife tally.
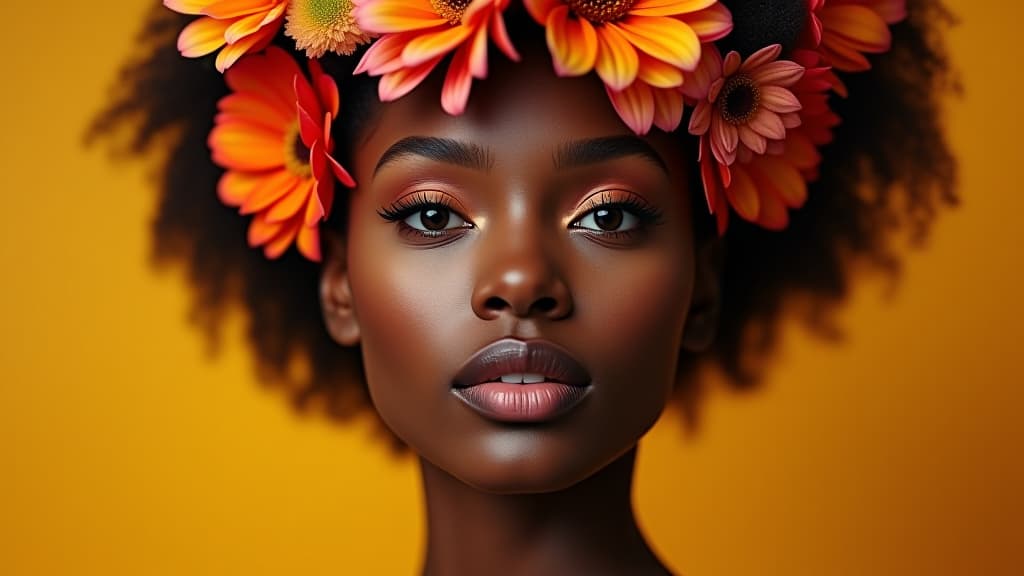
(639, 305)
(410, 305)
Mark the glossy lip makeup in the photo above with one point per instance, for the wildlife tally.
(522, 381)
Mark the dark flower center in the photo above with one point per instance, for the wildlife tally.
(296, 155)
(450, 10)
(739, 100)
(600, 11)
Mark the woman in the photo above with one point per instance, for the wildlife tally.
(521, 278)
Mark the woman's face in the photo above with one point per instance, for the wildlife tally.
(537, 221)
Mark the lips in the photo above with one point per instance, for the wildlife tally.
(522, 381)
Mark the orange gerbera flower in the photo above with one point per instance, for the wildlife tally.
(417, 34)
(628, 39)
(273, 135)
(244, 25)
(845, 30)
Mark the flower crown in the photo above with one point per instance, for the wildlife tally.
(761, 111)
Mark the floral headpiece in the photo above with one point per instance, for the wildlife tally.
(761, 111)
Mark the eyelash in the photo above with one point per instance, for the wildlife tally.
(646, 214)
(406, 206)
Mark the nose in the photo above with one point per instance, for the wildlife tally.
(519, 277)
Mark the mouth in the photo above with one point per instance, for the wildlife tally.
(522, 381)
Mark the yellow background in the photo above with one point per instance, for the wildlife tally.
(127, 449)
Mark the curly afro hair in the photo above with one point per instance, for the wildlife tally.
(887, 173)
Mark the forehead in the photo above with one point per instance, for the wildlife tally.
(520, 108)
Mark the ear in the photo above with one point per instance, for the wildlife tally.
(336, 292)
(702, 320)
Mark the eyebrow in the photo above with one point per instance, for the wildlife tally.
(593, 151)
(440, 150)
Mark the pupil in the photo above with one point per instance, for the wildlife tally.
(608, 218)
(434, 218)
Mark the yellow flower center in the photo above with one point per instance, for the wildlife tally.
(326, 12)
(739, 99)
(600, 11)
(296, 155)
(450, 10)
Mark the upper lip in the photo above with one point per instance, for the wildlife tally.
(510, 355)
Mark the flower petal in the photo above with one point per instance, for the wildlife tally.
(261, 231)
(572, 42)
(540, 9)
(752, 140)
(232, 52)
(783, 178)
(657, 73)
(291, 203)
(710, 25)
(234, 187)
(779, 73)
(391, 17)
(457, 82)
(668, 7)
(697, 84)
(700, 119)
(308, 242)
(202, 37)
(239, 147)
(273, 186)
(668, 108)
(501, 38)
(743, 195)
(779, 100)
(235, 8)
(666, 39)
(384, 55)
(761, 57)
(635, 106)
(430, 45)
(768, 124)
(284, 238)
(187, 6)
(396, 84)
(617, 63)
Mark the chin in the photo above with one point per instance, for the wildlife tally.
(523, 461)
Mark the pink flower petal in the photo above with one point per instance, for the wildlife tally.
(768, 124)
(635, 106)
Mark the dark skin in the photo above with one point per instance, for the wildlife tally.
(538, 215)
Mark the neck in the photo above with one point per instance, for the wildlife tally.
(588, 528)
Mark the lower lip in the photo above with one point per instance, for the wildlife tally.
(537, 402)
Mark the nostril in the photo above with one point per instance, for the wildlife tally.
(495, 303)
(545, 304)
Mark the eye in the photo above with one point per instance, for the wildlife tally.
(608, 218)
(434, 218)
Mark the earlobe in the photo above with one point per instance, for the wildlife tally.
(702, 320)
(336, 292)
